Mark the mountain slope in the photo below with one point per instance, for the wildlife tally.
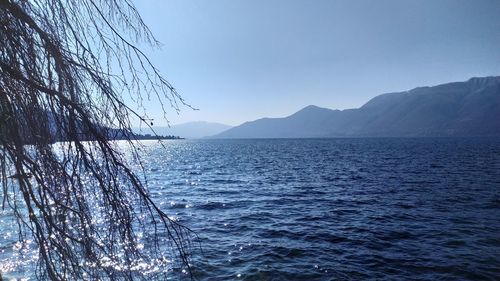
(470, 108)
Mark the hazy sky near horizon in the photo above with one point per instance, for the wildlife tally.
(240, 60)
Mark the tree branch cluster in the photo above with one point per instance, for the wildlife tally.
(66, 68)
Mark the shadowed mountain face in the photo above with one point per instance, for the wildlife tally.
(470, 108)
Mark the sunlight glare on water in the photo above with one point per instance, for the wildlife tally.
(322, 209)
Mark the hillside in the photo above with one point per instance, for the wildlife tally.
(470, 108)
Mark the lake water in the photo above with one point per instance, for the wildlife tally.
(321, 209)
(335, 209)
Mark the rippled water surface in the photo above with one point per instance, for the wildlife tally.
(335, 209)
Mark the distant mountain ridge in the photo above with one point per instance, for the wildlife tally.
(470, 108)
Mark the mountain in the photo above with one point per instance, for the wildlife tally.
(470, 108)
(191, 130)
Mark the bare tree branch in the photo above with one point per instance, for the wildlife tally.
(67, 68)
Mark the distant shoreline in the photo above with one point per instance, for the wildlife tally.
(154, 137)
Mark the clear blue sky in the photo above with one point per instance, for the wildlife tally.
(241, 60)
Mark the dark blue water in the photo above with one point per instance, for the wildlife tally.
(332, 209)
(336, 209)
